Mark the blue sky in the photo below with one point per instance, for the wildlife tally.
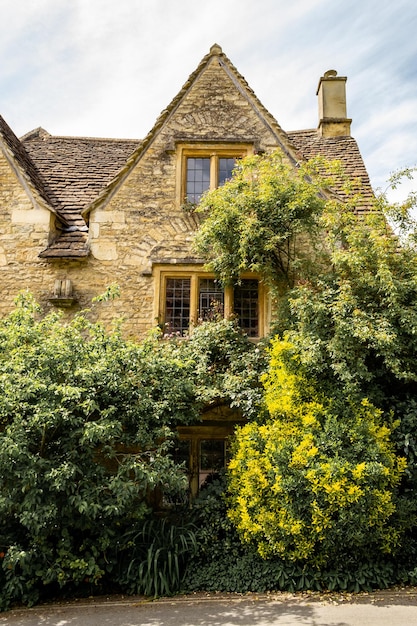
(107, 68)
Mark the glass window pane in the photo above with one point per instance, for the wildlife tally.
(245, 299)
(181, 453)
(212, 460)
(226, 167)
(212, 454)
(210, 299)
(177, 305)
(198, 178)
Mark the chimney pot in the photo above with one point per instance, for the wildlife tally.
(331, 92)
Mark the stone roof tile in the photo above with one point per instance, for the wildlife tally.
(23, 159)
(344, 149)
(70, 244)
(76, 170)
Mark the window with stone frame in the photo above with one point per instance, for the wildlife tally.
(204, 173)
(188, 295)
(206, 166)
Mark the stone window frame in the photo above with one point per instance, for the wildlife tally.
(214, 151)
(195, 273)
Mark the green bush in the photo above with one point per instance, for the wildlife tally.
(86, 424)
(86, 421)
(316, 483)
(155, 556)
(227, 366)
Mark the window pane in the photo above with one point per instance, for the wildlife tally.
(212, 454)
(210, 298)
(212, 460)
(198, 178)
(181, 453)
(177, 304)
(245, 299)
(226, 167)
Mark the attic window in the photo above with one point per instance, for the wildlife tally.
(205, 173)
(203, 166)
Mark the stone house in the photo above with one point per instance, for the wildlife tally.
(78, 214)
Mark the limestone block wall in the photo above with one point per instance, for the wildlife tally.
(25, 227)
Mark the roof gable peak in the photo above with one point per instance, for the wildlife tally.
(36, 133)
(216, 52)
(216, 49)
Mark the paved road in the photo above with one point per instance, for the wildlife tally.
(379, 609)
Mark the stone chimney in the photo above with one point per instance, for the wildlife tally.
(332, 106)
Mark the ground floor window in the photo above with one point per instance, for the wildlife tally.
(202, 458)
(204, 449)
(212, 459)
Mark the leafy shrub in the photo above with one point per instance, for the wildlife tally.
(156, 557)
(86, 424)
(227, 366)
(317, 483)
(86, 420)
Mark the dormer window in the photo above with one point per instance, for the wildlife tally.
(206, 166)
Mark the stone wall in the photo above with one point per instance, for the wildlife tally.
(25, 227)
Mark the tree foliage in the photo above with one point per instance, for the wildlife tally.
(86, 423)
(328, 465)
(353, 327)
(356, 322)
(265, 219)
(317, 482)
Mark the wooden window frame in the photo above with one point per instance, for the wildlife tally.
(195, 435)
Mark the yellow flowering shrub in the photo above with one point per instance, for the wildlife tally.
(318, 481)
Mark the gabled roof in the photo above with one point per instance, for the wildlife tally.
(344, 149)
(74, 171)
(21, 158)
(216, 53)
(75, 174)
(241, 85)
